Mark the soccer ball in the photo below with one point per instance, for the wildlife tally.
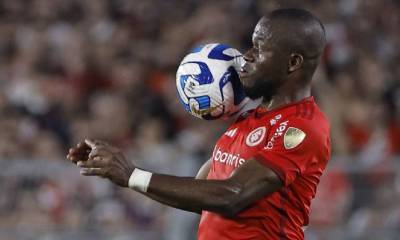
(208, 84)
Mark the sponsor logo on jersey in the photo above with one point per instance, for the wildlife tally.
(293, 137)
(231, 133)
(278, 133)
(275, 119)
(256, 136)
(227, 158)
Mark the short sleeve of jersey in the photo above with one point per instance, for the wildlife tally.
(289, 149)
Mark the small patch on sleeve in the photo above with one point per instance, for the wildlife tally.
(293, 137)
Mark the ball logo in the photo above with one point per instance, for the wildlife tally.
(255, 137)
(201, 112)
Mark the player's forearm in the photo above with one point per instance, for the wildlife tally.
(193, 195)
(202, 174)
(172, 203)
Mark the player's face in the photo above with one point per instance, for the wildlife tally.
(264, 68)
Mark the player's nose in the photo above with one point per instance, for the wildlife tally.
(248, 56)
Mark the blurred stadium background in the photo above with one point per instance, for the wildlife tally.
(70, 69)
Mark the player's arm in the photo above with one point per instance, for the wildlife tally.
(201, 174)
(80, 153)
(249, 183)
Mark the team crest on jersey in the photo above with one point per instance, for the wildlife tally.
(293, 137)
(256, 136)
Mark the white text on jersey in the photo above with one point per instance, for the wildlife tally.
(228, 158)
(278, 133)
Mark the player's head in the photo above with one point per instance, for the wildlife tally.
(287, 45)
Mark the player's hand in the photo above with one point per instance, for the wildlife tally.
(79, 153)
(106, 161)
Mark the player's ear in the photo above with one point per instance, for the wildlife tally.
(295, 62)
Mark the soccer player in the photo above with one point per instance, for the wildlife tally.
(265, 169)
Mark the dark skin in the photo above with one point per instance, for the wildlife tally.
(247, 184)
(270, 63)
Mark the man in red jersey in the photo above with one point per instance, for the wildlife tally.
(265, 169)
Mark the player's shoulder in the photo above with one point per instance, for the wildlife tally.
(306, 113)
(304, 116)
(290, 132)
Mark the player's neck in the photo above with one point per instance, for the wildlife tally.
(283, 99)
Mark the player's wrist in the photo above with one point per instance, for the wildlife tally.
(139, 180)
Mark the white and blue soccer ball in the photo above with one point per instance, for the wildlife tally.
(208, 82)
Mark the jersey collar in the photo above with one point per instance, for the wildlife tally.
(261, 110)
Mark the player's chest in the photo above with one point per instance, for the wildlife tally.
(241, 142)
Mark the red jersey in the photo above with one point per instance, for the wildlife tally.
(293, 141)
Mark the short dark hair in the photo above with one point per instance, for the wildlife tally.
(298, 30)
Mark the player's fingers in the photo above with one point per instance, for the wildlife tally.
(101, 143)
(73, 158)
(98, 152)
(74, 155)
(69, 157)
(92, 163)
(78, 157)
(92, 172)
(90, 143)
(83, 145)
(72, 151)
(79, 154)
(76, 160)
(78, 151)
(96, 143)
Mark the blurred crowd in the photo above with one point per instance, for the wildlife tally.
(105, 69)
